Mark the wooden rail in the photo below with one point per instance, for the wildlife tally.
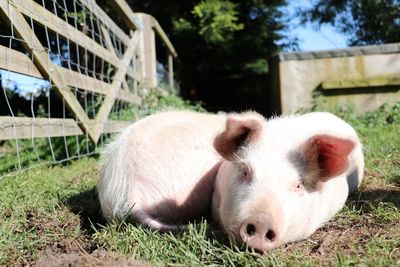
(137, 62)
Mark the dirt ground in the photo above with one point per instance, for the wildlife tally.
(346, 235)
(71, 253)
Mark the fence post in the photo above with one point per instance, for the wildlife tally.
(147, 48)
(170, 70)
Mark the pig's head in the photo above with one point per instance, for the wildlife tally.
(268, 189)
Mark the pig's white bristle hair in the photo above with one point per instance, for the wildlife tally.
(113, 185)
(145, 219)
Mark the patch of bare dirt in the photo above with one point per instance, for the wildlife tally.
(70, 253)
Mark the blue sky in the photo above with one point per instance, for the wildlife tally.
(310, 39)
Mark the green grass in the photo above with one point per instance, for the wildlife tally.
(52, 210)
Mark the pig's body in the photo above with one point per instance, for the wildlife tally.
(161, 169)
(276, 181)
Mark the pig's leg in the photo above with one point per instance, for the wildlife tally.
(145, 219)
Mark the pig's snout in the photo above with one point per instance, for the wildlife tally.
(260, 232)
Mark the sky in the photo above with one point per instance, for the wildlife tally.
(310, 39)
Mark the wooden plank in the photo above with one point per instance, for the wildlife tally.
(115, 126)
(119, 76)
(149, 50)
(23, 127)
(81, 81)
(28, 128)
(360, 83)
(78, 80)
(106, 20)
(54, 23)
(170, 71)
(43, 62)
(130, 71)
(108, 41)
(160, 32)
(129, 97)
(123, 8)
(18, 62)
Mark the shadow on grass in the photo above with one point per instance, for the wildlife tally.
(372, 196)
(396, 180)
(86, 205)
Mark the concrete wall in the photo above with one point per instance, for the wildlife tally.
(363, 79)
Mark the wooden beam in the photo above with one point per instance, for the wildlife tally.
(106, 20)
(22, 127)
(170, 71)
(160, 32)
(43, 62)
(28, 128)
(119, 76)
(147, 49)
(123, 8)
(129, 97)
(108, 41)
(18, 62)
(360, 83)
(115, 126)
(54, 23)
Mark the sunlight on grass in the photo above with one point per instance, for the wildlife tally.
(54, 209)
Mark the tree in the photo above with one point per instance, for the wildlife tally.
(364, 21)
(223, 47)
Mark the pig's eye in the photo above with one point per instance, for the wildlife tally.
(299, 187)
(245, 173)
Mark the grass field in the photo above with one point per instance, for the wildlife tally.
(50, 216)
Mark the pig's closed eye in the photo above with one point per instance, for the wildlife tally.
(245, 173)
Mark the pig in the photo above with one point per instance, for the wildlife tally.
(265, 182)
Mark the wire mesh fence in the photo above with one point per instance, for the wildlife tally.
(69, 77)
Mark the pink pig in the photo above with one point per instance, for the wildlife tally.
(267, 182)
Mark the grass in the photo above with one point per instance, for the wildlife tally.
(50, 216)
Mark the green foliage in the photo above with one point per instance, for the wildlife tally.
(214, 20)
(365, 21)
(161, 100)
(217, 20)
(223, 46)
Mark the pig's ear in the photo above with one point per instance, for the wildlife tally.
(239, 132)
(326, 156)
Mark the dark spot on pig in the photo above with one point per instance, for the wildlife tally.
(321, 158)
(352, 180)
(300, 164)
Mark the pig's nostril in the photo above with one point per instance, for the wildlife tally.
(250, 229)
(270, 236)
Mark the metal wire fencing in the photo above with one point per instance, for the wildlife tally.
(69, 77)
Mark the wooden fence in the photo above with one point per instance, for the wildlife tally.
(111, 62)
(365, 77)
